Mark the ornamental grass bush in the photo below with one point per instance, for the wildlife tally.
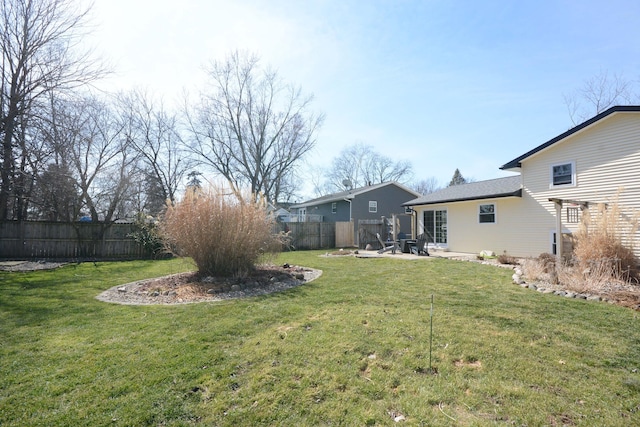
(603, 253)
(603, 247)
(225, 234)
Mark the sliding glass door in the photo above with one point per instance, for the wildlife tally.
(435, 226)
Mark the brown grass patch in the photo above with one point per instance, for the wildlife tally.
(461, 363)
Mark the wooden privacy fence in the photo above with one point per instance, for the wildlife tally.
(78, 240)
(308, 235)
(89, 240)
(367, 230)
(344, 234)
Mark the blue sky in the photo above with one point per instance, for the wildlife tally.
(444, 84)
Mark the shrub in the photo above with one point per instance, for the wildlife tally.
(604, 243)
(145, 232)
(507, 259)
(534, 269)
(225, 235)
(547, 261)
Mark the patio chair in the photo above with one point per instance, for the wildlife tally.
(422, 241)
(388, 246)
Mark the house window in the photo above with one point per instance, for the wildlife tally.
(563, 174)
(487, 213)
(373, 206)
(334, 207)
(573, 215)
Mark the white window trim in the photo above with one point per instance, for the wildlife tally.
(373, 206)
(421, 226)
(574, 181)
(334, 207)
(495, 213)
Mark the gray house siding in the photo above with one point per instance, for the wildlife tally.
(353, 205)
(389, 201)
(326, 210)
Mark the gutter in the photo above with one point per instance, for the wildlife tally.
(517, 193)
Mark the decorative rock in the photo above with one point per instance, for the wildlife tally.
(211, 291)
(155, 293)
(519, 280)
(235, 288)
(172, 293)
(122, 289)
(485, 253)
(369, 247)
(518, 271)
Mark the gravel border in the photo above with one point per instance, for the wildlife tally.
(133, 293)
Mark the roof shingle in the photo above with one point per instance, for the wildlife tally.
(493, 188)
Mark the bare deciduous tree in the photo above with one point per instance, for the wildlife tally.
(154, 133)
(361, 165)
(251, 128)
(91, 141)
(597, 94)
(426, 186)
(38, 40)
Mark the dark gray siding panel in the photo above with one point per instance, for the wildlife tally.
(342, 211)
(390, 199)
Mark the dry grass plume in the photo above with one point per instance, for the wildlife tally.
(225, 234)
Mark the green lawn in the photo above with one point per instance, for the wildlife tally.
(350, 349)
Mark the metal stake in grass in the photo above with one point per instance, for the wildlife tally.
(430, 334)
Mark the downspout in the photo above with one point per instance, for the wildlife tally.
(414, 223)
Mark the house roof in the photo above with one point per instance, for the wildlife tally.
(350, 194)
(516, 163)
(509, 186)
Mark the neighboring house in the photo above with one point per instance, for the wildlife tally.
(279, 212)
(522, 214)
(370, 202)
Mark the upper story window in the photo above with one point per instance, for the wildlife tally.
(563, 174)
(334, 207)
(373, 206)
(487, 213)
